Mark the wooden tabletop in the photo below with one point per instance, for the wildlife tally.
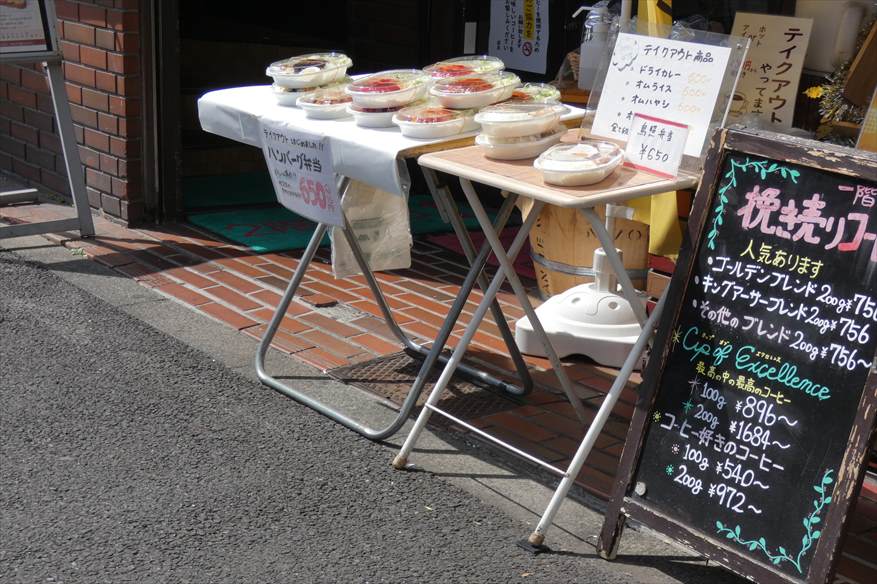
(519, 176)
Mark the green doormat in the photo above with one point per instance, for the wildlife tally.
(272, 229)
(250, 188)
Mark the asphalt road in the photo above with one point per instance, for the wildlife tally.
(126, 455)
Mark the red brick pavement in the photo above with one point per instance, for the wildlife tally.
(239, 288)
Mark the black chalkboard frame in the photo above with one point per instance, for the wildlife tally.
(780, 147)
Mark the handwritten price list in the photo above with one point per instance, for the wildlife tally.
(767, 362)
(672, 80)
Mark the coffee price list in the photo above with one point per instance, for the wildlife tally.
(767, 360)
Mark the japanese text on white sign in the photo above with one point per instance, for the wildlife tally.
(768, 83)
(302, 171)
(655, 145)
(519, 33)
(21, 27)
(672, 80)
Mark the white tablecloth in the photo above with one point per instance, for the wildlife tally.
(370, 155)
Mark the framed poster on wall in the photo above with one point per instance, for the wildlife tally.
(27, 30)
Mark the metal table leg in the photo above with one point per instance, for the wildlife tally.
(538, 536)
(451, 213)
(401, 459)
(432, 355)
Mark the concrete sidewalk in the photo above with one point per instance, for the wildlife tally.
(499, 492)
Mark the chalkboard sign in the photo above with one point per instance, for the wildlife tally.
(757, 406)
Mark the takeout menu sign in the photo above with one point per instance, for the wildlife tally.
(302, 172)
(768, 359)
(668, 79)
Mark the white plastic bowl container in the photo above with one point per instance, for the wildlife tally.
(309, 70)
(373, 117)
(429, 121)
(584, 163)
(520, 147)
(509, 120)
(325, 104)
(288, 97)
(387, 89)
(475, 91)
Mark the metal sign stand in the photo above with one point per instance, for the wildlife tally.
(52, 62)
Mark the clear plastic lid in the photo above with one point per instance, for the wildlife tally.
(475, 83)
(427, 114)
(535, 93)
(309, 64)
(332, 96)
(582, 156)
(514, 113)
(388, 82)
(462, 66)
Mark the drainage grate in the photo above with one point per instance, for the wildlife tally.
(391, 377)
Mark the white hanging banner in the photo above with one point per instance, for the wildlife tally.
(672, 80)
(303, 172)
(519, 33)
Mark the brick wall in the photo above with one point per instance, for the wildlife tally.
(100, 41)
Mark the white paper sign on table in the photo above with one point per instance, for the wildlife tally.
(655, 145)
(769, 78)
(672, 80)
(302, 170)
(519, 33)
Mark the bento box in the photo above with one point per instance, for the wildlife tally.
(475, 91)
(579, 164)
(429, 121)
(393, 88)
(309, 70)
(519, 147)
(507, 120)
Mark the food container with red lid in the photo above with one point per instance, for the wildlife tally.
(475, 90)
(429, 121)
(389, 88)
(309, 70)
(373, 117)
(325, 104)
(535, 93)
(519, 147)
(583, 163)
(507, 120)
(463, 66)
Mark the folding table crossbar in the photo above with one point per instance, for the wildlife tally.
(432, 355)
(470, 164)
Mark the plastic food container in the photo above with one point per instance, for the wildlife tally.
(508, 120)
(429, 121)
(325, 104)
(389, 88)
(309, 70)
(462, 66)
(289, 97)
(381, 117)
(519, 147)
(475, 91)
(584, 163)
(536, 93)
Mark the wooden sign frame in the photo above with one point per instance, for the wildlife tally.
(46, 9)
(829, 158)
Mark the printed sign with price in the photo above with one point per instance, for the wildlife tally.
(302, 171)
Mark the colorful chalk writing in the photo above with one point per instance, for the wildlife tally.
(773, 344)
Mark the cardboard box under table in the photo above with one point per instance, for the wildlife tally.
(521, 179)
(375, 157)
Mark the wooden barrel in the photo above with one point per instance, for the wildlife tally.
(562, 245)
